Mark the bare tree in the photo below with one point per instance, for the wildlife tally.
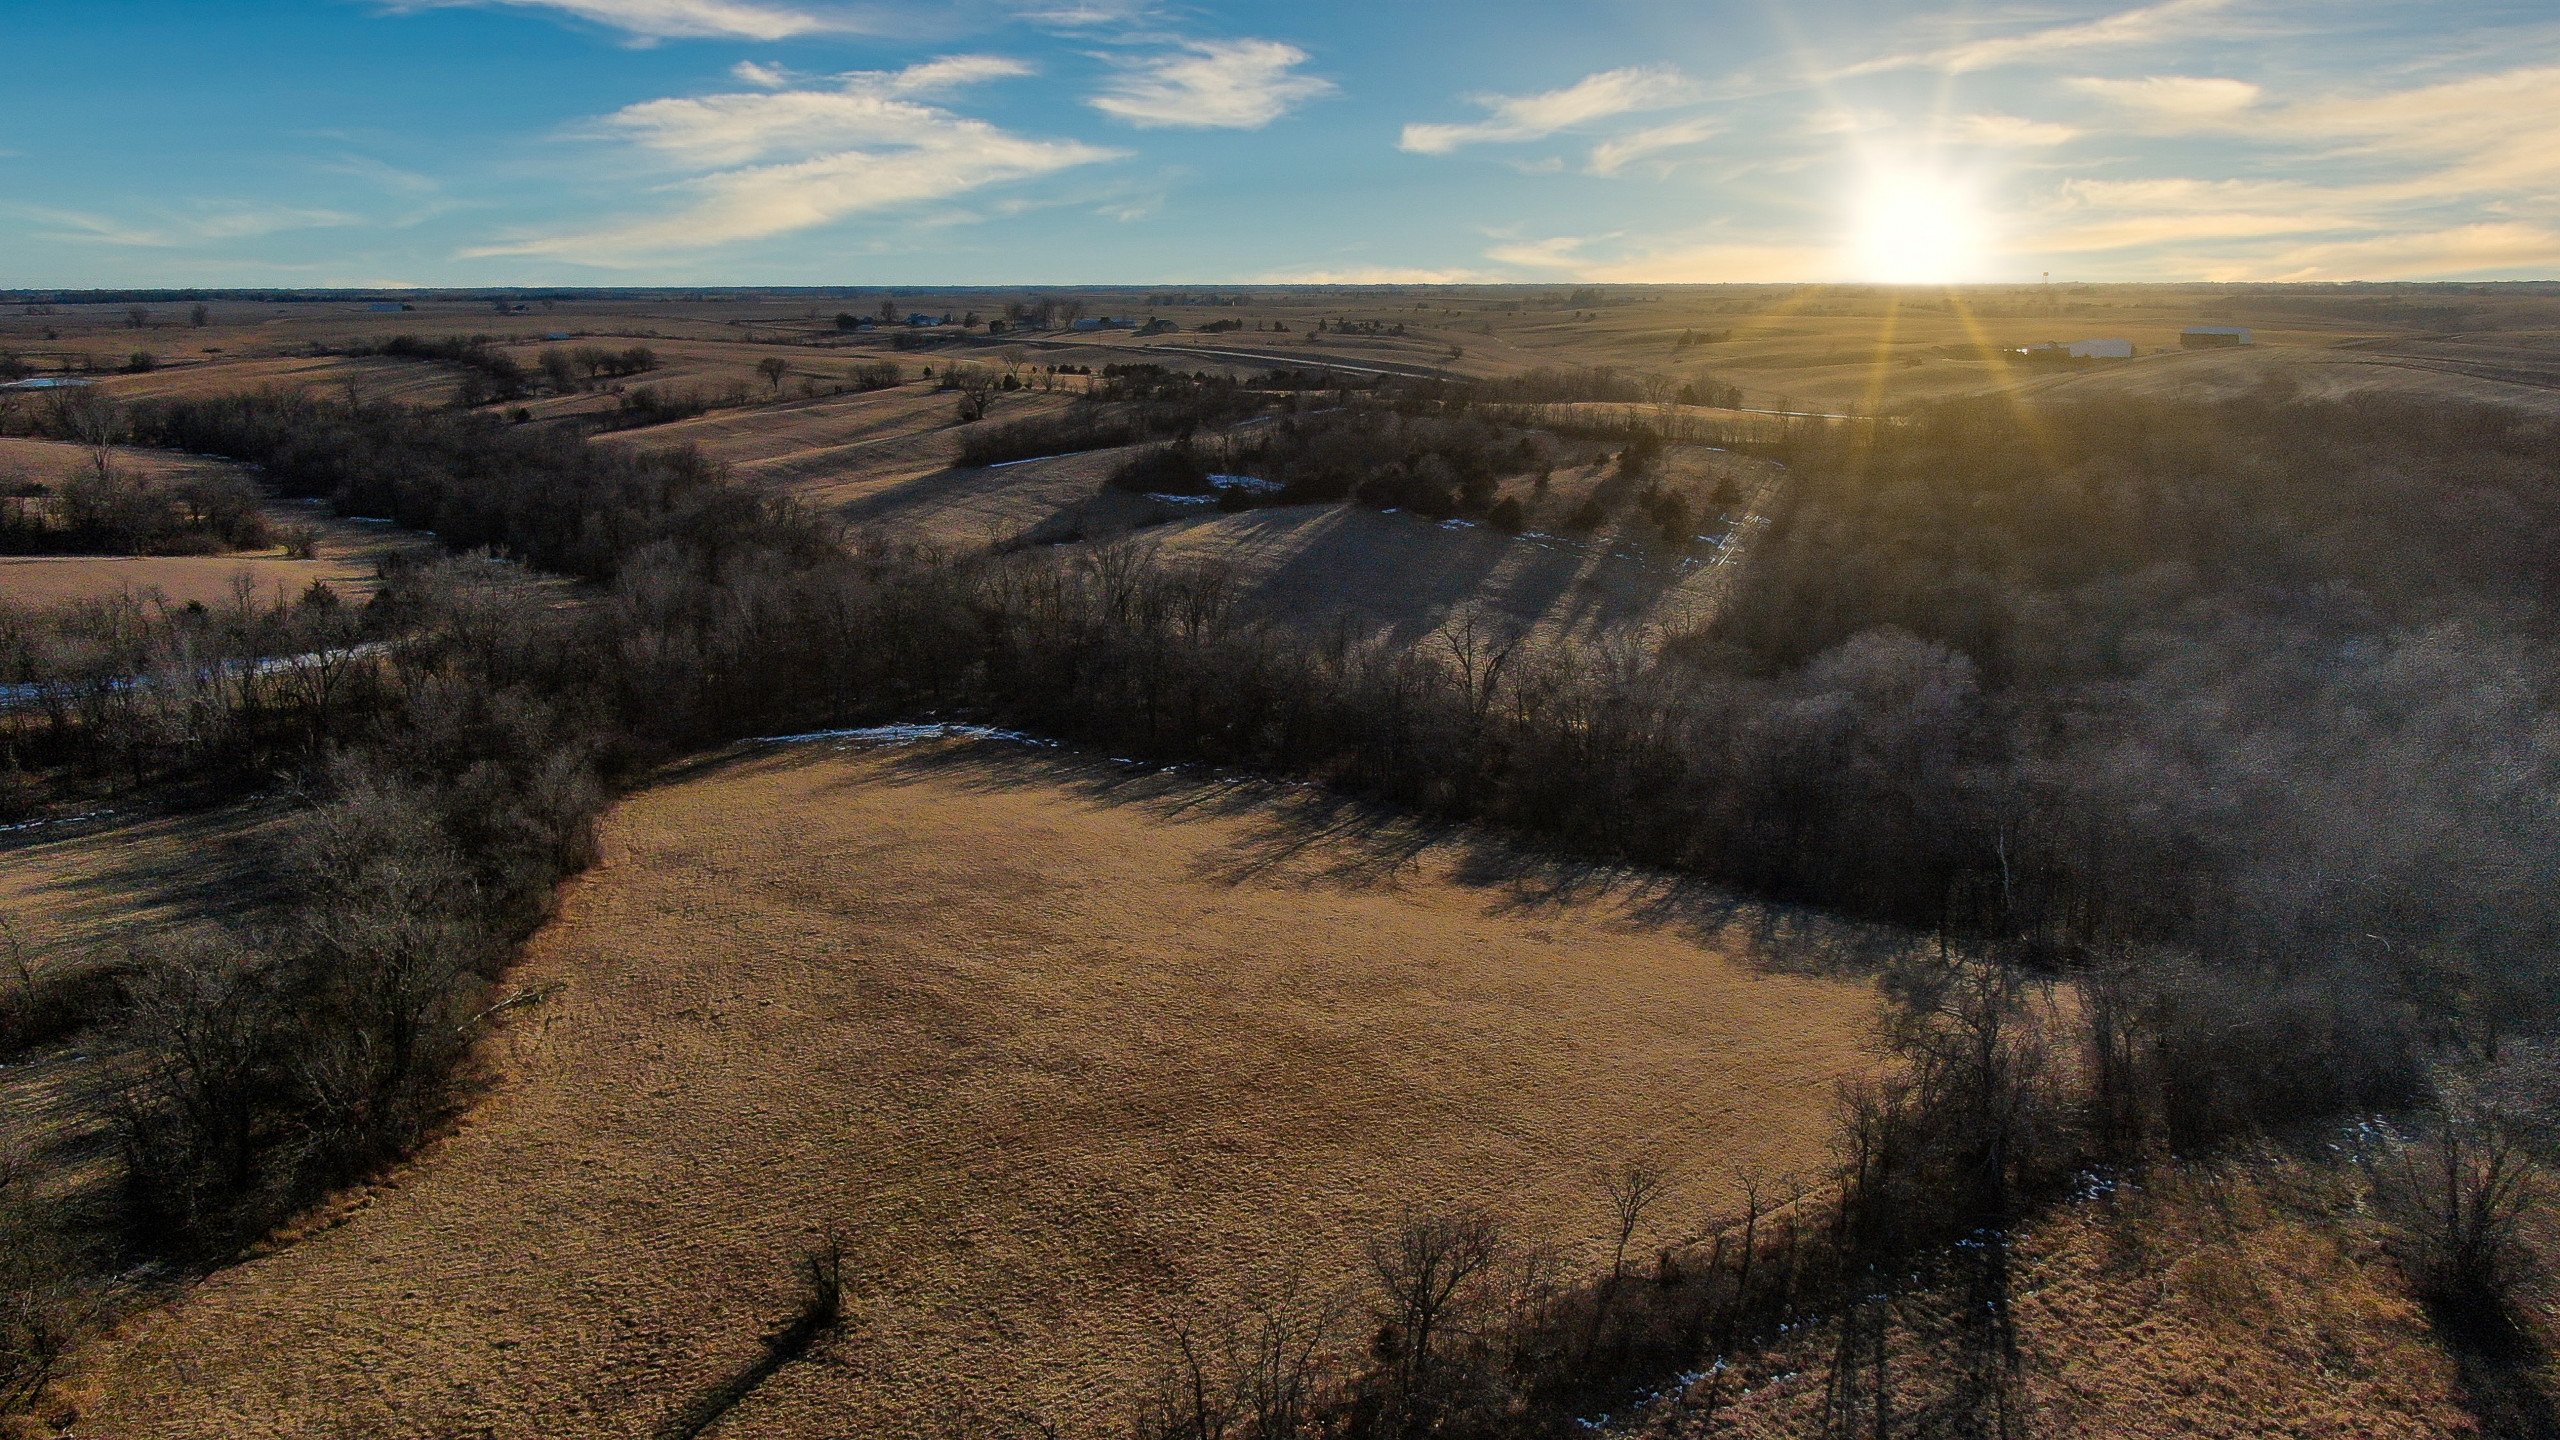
(137, 318)
(1427, 1274)
(977, 386)
(773, 368)
(2464, 1196)
(93, 421)
(1632, 1188)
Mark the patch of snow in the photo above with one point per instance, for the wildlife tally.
(56, 820)
(1183, 499)
(1251, 485)
(1030, 460)
(1454, 523)
(909, 734)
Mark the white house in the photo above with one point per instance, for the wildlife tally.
(2101, 349)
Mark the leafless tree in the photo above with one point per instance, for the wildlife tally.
(976, 385)
(1430, 1275)
(93, 421)
(2464, 1195)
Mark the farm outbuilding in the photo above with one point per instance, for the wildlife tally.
(2101, 349)
(2214, 337)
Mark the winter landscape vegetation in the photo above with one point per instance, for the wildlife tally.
(754, 806)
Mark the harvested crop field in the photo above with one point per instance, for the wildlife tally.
(1061, 1047)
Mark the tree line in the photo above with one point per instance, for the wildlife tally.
(2077, 692)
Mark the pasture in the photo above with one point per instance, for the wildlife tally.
(343, 559)
(1064, 1050)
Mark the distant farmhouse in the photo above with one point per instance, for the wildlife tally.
(2214, 337)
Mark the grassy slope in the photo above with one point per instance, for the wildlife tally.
(2253, 1297)
(1058, 1045)
(80, 893)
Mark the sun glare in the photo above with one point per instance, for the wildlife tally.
(1917, 229)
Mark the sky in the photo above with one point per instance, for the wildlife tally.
(307, 143)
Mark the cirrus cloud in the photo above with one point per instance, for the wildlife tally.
(1599, 96)
(1212, 85)
(651, 20)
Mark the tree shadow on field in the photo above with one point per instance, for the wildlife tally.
(2503, 1368)
(184, 868)
(1617, 590)
(1291, 833)
(1396, 571)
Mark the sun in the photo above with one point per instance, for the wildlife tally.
(1916, 228)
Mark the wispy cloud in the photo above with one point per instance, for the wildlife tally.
(679, 19)
(2174, 100)
(2484, 135)
(1080, 14)
(379, 173)
(1534, 117)
(763, 77)
(1558, 252)
(1212, 84)
(2488, 248)
(1613, 155)
(2422, 155)
(864, 107)
(2148, 24)
(213, 223)
(2011, 132)
(789, 160)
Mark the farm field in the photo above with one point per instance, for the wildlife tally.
(344, 559)
(1063, 1049)
(1816, 348)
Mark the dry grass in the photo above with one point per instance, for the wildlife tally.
(1059, 1047)
(334, 377)
(2254, 1297)
(80, 894)
(344, 560)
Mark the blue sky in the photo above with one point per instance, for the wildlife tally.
(464, 142)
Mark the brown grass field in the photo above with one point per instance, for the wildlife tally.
(344, 562)
(1061, 1048)
(82, 891)
(2255, 1296)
